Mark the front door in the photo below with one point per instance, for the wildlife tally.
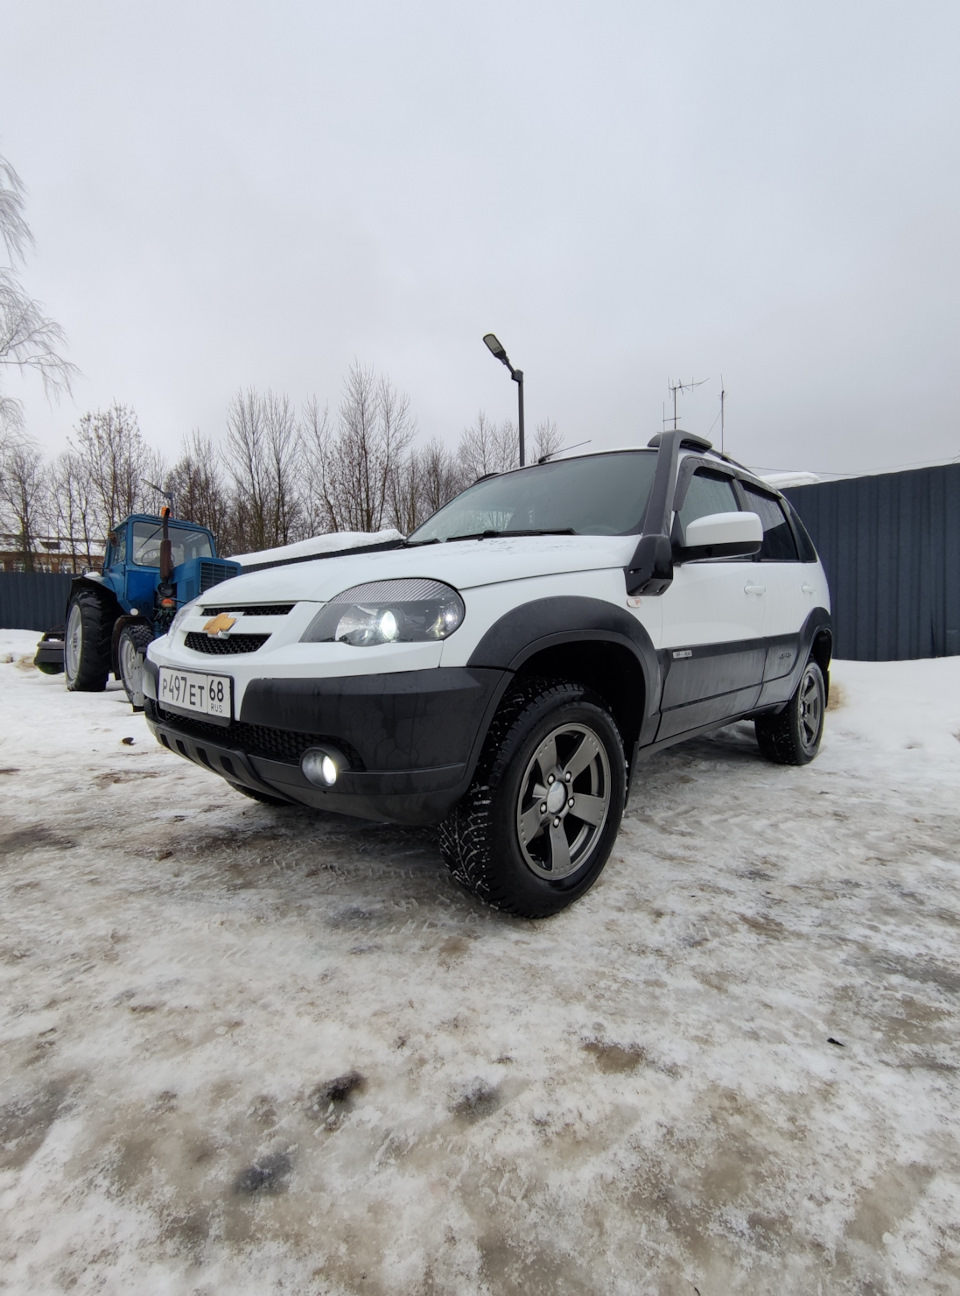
(712, 651)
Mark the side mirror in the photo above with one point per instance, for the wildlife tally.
(721, 535)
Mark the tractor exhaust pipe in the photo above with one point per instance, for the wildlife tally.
(166, 548)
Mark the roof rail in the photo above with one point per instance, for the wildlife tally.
(688, 441)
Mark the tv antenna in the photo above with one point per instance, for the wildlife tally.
(675, 388)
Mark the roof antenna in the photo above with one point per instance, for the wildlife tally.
(723, 397)
(562, 450)
(678, 386)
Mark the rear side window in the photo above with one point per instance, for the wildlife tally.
(778, 542)
(707, 492)
(808, 552)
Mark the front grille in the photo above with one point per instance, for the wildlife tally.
(265, 609)
(212, 573)
(255, 740)
(239, 643)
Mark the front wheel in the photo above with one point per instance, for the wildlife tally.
(539, 820)
(134, 641)
(792, 737)
(86, 643)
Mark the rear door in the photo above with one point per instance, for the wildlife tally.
(712, 652)
(791, 588)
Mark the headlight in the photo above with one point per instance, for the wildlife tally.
(181, 616)
(390, 611)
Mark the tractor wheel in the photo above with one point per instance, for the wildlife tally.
(134, 640)
(86, 644)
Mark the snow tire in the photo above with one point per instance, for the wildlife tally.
(792, 737)
(537, 824)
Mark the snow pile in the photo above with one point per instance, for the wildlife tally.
(334, 542)
(252, 1050)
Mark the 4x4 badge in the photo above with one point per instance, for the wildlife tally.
(219, 627)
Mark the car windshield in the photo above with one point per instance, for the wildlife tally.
(602, 494)
(185, 544)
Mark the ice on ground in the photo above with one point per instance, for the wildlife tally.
(253, 1050)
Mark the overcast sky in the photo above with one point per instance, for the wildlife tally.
(236, 194)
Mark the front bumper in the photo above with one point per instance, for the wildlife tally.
(412, 738)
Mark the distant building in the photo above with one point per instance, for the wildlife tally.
(51, 555)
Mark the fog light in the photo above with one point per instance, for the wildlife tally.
(322, 765)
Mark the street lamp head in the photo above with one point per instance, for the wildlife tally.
(496, 347)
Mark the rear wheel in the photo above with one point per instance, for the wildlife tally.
(539, 820)
(134, 641)
(793, 736)
(86, 644)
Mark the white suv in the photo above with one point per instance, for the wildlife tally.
(501, 671)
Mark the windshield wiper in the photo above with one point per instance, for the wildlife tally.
(415, 544)
(494, 535)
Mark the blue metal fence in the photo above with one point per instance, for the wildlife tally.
(33, 600)
(890, 545)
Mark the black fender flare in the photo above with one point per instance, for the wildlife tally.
(569, 619)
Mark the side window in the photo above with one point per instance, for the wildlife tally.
(778, 542)
(807, 551)
(707, 492)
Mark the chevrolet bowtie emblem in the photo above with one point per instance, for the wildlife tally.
(219, 626)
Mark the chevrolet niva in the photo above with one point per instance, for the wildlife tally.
(501, 671)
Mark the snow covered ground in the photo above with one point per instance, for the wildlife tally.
(254, 1050)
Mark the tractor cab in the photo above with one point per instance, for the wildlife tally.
(133, 562)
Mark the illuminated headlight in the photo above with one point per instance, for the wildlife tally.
(391, 611)
(181, 616)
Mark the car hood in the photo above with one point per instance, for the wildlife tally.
(465, 564)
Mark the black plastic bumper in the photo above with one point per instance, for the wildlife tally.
(411, 738)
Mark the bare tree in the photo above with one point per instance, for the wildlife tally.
(196, 483)
(263, 458)
(406, 492)
(117, 464)
(487, 447)
(546, 440)
(441, 477)
(73, 509)
(353, 466)
(29, 340)
(24, 493)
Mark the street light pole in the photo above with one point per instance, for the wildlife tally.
(496, 349)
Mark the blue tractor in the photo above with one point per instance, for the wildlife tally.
(151, 567)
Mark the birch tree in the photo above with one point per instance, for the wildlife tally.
(29, 340)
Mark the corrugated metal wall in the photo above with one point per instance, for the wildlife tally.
(891, 549)
(33, 600)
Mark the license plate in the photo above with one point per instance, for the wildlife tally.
(196, 693)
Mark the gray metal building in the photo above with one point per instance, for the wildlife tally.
(890, 545)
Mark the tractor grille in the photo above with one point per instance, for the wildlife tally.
(240, 643)
(264, 609)
(254, 740)
(213, 572)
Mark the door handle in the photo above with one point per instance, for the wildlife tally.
(754, 589)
